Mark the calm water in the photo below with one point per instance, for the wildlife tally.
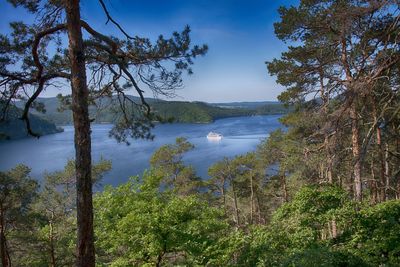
(50, 153)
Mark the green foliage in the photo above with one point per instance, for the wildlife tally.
(144, 223)
(17, 191)
(136, 224)
(300, 233)
(167, 163)
(324, 257)
(49, 231)
(237, 185)
(306, 218)
(375, 234)
(185, 112)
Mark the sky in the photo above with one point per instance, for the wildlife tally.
(239, 33)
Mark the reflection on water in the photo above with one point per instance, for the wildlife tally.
(50, 153)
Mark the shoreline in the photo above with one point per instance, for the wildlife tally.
(60, 128)
(194, 122)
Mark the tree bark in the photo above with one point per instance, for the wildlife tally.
(261, 220)
(80, 94)
(284, 187)
(251, 197)
(387, 172)
(3, 247)
(334, 228)
(235, 205)
(398, 164)
(373, 185)
(380, 153)
(329, 161)
(223, 194)
(51, 240)
(325, 98)
(355, 137)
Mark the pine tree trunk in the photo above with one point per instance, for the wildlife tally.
(80, 93)
(329, 161)
(398, 164)
(387, 172)
(381, 155)
(284, 187)
(3, 247)
(355, 137)
(223, 194)
(235, 203)
(325, 98)
(251, 198)
(334, 228)
(329, 177)
(261, 220)
(373, 185)
(51, 240)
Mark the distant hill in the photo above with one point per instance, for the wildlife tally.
(14, 128)
(247, 105)
(180, 111)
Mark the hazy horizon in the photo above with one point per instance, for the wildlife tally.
(179, 99)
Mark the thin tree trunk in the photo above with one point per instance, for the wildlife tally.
(373, 185)
(4, 260)
(51, 239)
(334, 228)
(381, 154)
(325, 99)
(236, 205)
(260, 218)
(329, 160)
(382, 164)
(333, 225)
(251, 197)
(355, 137)
(387, 172)
(398, 164)
(223, 194)
(3, 247)
(284, 187)
(159, 259)
(80, 93)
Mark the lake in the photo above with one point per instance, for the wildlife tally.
(51, 152)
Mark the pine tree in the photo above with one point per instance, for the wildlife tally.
(124, 64)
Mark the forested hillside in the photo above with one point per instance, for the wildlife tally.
(12, 127)
(106, 110)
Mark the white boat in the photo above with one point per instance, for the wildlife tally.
(214, 136)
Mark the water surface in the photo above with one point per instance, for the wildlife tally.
(51, 152)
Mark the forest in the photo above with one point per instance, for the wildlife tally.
(13, 128)
(106, 110)
(53, 117)
(323, 191)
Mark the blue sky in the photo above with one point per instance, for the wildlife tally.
(239, 34)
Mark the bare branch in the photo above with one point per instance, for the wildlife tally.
(109, 18)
